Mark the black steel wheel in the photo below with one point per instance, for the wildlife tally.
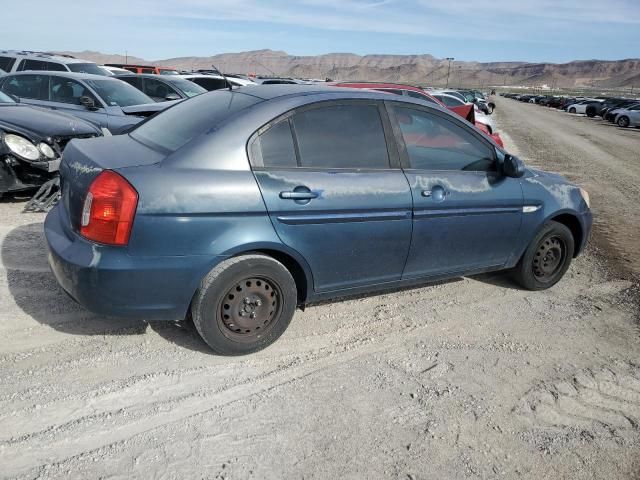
(244, 304)
(248, 309)
(547, 258)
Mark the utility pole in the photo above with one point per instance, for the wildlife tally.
(126, 57)
(449, 69)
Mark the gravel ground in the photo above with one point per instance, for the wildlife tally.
(472, 378)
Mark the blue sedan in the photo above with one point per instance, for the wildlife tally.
(239, 206)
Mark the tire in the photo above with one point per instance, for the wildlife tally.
(572, 110)
(591, 112)
(491, 107)
(554, 242)
(244, 304)
(623, 122)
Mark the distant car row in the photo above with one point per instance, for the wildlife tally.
(625, 112)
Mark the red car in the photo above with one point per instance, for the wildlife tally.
(465, 111)
(145, 69)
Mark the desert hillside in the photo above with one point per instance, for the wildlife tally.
(424, 69)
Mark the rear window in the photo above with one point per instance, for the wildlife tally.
(91, 68)
(174, 127)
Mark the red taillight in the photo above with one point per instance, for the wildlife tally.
(109, 209)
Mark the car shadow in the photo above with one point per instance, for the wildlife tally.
(498, 279)
(36, 292)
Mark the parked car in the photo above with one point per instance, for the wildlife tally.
(216, 207)
(150, 69)
(19, 61)
(212, 82)
(104, 101)
(31, 143)
(627, 117)
(605, 113)
(162, 88)
(581, 106)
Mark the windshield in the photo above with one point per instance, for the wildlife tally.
(177, 125)
(169, 72)
(116, 93)
(189, 88)
(4, 98)
(91, 68)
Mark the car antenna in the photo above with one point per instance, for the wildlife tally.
(223, 76)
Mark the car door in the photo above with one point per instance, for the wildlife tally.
(466, 215)
(65, 94)
(335, 192)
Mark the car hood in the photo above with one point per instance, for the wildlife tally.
(547, 176)
(40, 123)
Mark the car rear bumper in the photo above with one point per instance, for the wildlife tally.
(108, 281)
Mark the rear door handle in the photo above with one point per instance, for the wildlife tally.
(298, 195)
(438, 193)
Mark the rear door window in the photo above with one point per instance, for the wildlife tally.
(32, 65)
(341, 136)
(34, 87)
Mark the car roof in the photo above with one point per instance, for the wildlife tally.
(269, 92)
(32, 55)
(73, 75)
(399, 86)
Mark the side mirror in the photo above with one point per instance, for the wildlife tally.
(512, 166)
(172, 96)
(87, 102)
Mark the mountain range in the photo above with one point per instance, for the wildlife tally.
(420, 69)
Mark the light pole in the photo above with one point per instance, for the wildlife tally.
(449, 69)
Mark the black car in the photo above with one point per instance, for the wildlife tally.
(31, 143)
(163, 87)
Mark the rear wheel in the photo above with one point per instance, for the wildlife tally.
(244, 304)
(591, 112)
(623, 122)
(546, 259)
(572, 110)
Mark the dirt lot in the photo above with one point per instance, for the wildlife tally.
(468, 379)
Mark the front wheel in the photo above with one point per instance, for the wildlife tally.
(572, 110)
(623, 122)
(546, 259)
(244, 304)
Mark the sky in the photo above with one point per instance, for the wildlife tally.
(488, 30)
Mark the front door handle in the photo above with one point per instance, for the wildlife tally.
(300, 195)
